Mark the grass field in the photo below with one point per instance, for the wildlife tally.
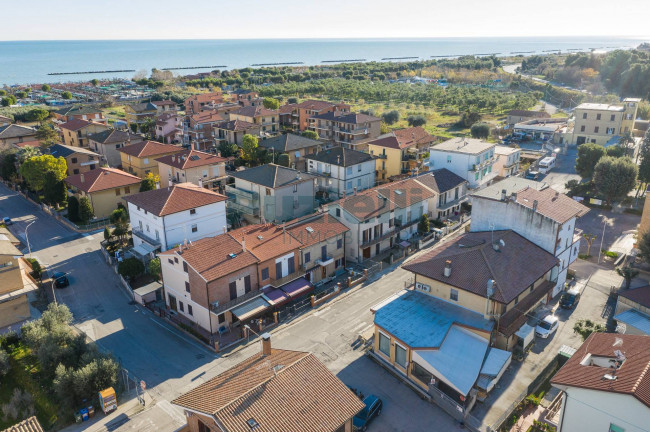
(26, 374)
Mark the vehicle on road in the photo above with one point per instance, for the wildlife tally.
(570, 299)
(547, 164)
(532, 175)
(547, 326)
(7, 221)
(60, 280)
(372, 409)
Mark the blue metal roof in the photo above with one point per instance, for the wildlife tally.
(495, 361)
(422, 321)
(636, 319)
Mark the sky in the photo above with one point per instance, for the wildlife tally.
(273, 19)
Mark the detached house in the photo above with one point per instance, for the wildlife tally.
(254, 395)
(104, 187)
(79, 160)
(109, 142)
(600, 123)
(542, 215)
(165, 106)
(167, 127)
(341, 171)
(268, 120)
(271, 193)
(14, 134)
(140, 158)
(191, 166)
(163, 218)
(138, 113)
(14, 285)
(77, 133)
(297, 147)
(470, 158)
(5, 121)
(80, 113)
(400, 151)
(345, 129)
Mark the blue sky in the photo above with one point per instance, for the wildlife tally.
(244, 19)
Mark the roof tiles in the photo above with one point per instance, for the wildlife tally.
(175, 199)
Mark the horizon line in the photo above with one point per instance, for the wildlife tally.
(350, 38)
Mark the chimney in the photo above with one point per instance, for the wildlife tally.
(514, 196)
(82, 178)
(447, 271)
(157, 185)
(266, 344)
(225, 229)
(243, 244)
(200, 183)
(355, 190)
(535, 205)
(503, 194)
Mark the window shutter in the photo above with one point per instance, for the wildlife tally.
(278, 270)
(233, 290)
(247, 283)
(292, 267)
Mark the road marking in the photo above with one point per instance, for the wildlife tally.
(182, 338)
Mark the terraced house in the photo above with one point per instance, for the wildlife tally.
(77, 133)
(109, 142)
(140, 158)
(79, 160)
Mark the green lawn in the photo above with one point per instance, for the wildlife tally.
(25, 374)
(116, 111)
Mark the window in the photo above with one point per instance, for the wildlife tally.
(295, 188)
(348, 171)
(596, 129)
(194, 228)
(170, 261)
(453, 294)
(181, 306)
(384, 344)
(584, 116)
(358, 183)
(338, 263)
(338, 212)
(400, 355)
(117, 192)
(516, 300)
(359, 168)
(192, 211)
(185, 267)
(233, 290)
(582, 128)
(612, 118)
(265, 273)
(75, 171)
(187, 286)
(349, 185)
(597, 116)
(307, 257)
(221, 318)
(176, 260)
(73, 160)
(610, 131)
(189, 309)
(448, 159)
(418, 372)
(268, 192)
(339, 243)
(146, 161)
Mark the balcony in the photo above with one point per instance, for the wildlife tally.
(288, 278)
(242, 208)
(382, 237)
(233, 192)
(145, 237)
(324, 261)
(451, 203)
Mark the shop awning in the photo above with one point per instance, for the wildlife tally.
(275, 296)
(250, 309)
(297, 287)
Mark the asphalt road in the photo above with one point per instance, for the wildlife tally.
(171, 363)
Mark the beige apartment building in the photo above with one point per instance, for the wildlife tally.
(14, 305)
(349, 130)
(192, 166)
(599, 123)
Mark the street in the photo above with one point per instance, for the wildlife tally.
(171, 363)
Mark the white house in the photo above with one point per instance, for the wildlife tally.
(540, 214)
(340, 170)
(470, 158)
(604, 386)
(163, 218)
(506, 162)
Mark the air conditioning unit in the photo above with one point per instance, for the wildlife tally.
(422, 287)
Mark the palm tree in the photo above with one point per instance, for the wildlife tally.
(625, 141)
(27, 152)
(627, 273)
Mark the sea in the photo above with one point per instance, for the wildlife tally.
(34, 62)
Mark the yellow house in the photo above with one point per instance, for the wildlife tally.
(268, 120)
(400, 151)
(192, 166)
(14, 305)
(599, 123)
(104, 187)
(140, 158)
(75, 132)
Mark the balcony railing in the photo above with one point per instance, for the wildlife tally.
(452, 203)
(231, 190)
(242, 208)
(145, 237)
(380, 238)
(323, 261)
(288, 278)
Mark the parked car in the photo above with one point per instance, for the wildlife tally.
(366, 415)
(60, 280)
(547, 326)
(7, 221)
(570, 299)
(532, 175)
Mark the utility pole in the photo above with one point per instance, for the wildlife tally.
(601, 240)
(29, 248)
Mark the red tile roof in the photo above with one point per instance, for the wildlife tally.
(102, 179)
(315, 230)
(164, 103)
(174, 199)
(210, 256)
(639, 295)
(237, 125)
(551, 203)
(265, 241)
(284, 391)
(191, 159)
(149, 148)
(287, 108)
(632, 377)
(254, 111)
(514, 267)
(315, 105)
(414, 134)
(206, 117)
(75, 124)
(29, 425)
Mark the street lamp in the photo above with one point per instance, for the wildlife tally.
(29, 248)
(601, 240)
(53, 281)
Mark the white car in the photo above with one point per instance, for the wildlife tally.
(547, 326)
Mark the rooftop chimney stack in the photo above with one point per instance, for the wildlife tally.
(447, 271)
(535, 205)
(266, 344)
(157, 185)
(82, 178)
(355, 190)
(503, 194)
(243, 244)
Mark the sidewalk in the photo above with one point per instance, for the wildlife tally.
(125, 411)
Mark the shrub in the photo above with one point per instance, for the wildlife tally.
(417, 120)
(36, 267)
(480, 130)
(423, 225)
(21, 405)
(310, 134)
(586, 327)
(610, 254)
(130, 268)
(4, 362)
(154, 268)
(284, 160)
(73, 209)
(85, 210)
(390, 117)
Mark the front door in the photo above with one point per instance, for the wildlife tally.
(324, 272)
(172, 302)
(377, 248)
(581, 140)
(366, 253)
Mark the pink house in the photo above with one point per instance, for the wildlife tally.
(166, 127)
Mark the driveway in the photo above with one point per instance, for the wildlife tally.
(618, 229)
